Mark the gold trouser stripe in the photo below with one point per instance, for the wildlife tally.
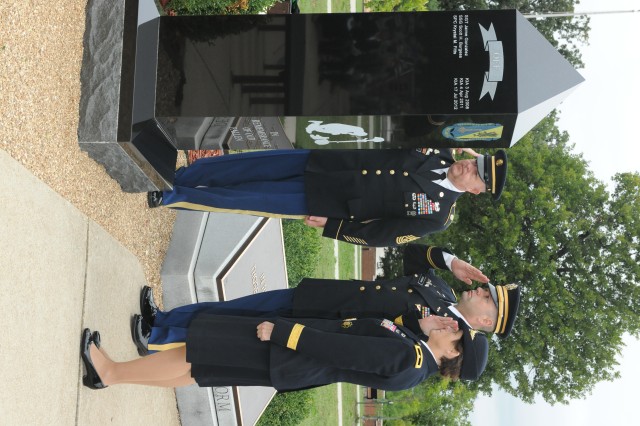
(398, 320)
(292, 343)
(339, 228)
(203, 208)
(166, 346)
(429, 259)
(493, 174)
(500, 309)
(418, 356)
(505, 317)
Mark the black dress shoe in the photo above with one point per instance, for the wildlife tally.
(91, 380)
(148, 307)
(140, 333)
(154, 198)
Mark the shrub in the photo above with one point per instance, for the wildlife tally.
(219, 7)
(302, 247)
(287, 409)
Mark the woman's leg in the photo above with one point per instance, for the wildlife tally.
(185, 380)
(163, 367)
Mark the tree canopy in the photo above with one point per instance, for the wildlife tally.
(565, 34)
(573, 247)
(433, 402)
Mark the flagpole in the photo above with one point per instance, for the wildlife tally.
(571, 14)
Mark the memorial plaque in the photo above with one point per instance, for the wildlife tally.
(236, 134)
(215, 256)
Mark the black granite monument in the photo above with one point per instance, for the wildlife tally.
(439, 79)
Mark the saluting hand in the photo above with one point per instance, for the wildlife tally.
(466, 272)
(468, 151)
(435, 322)
(264, 331)
(315, 221)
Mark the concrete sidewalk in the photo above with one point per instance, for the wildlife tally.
(59, 273)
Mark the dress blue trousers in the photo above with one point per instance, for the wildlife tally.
(170, 328)
(263, 183)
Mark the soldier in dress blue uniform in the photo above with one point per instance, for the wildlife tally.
(406, 300)
(295, 354)
(368, 197)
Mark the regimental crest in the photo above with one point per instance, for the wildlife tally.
(473, 333)
(346, 324)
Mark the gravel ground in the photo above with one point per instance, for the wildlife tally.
(40, 60)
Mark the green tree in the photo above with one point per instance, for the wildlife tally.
(573, 247)
(391, 262)
(566, 33)
(434, 402)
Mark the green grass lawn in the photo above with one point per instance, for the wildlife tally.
(325, 408)
(325, 399)
(312, 6)
(327, 261)
(320, 6)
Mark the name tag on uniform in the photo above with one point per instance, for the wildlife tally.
(424, 281)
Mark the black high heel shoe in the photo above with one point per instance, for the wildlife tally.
(91, 380)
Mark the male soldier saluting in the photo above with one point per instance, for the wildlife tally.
(405, 300)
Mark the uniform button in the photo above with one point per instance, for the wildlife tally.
(442, 162)
(364, 172)
(410, 291)
(406, 205)
(452, 217)
(392, 172)
(405, 173)
(362, 288)
(378, 287)
(441, 194)
(351, 217)
(436, 151)
(378, 172)
(446, 314)
(415, 275)
(393, 288)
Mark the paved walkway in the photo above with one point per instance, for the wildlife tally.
(61, 272)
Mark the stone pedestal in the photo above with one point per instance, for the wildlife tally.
(220, 257)
(140, 159)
